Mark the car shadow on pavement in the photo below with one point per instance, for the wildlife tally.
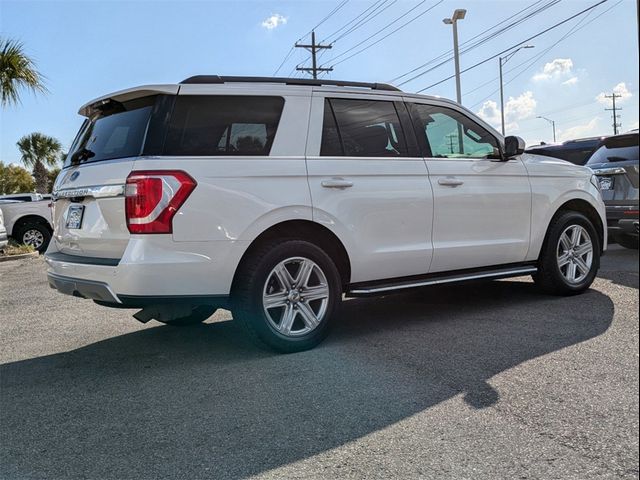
(621, 266)
(202, 402)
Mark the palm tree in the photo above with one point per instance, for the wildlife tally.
(37, 151)
(17, 71)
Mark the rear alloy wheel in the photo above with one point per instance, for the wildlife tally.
(570, 257)
(295, 296)
(286, 294)
(34, 235)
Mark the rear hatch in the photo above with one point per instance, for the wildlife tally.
(89, 203)
(615, 163)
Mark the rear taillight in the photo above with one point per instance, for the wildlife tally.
(152, 198)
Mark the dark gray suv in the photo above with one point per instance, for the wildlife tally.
(615, 162)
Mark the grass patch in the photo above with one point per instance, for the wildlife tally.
(17, 249)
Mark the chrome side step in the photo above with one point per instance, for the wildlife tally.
(363, 289)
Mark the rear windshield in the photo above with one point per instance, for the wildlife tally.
(199, 125)
(616, 149)
(118, 132)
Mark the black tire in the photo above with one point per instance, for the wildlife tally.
(549, 276)
(253, 277)
(627, 241)
(35, 234)
(198, 315)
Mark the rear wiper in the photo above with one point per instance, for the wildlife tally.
(81, 155)
(617, 159)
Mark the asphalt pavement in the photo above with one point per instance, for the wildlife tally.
(480, 381)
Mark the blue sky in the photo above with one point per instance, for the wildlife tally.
(89, 48)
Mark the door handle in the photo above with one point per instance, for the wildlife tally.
(450, 182)
(336, 183)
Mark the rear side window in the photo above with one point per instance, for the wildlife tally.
(362, 128)
(117, 132)
(223, 125)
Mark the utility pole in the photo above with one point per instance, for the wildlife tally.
(615, 116)
(313, 48)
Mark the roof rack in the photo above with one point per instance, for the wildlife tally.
(288, 81)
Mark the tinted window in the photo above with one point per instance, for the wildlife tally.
(223, 125)
(616, 149)
(331, 144)
(117, 132)
(366, 128)
(450, 134)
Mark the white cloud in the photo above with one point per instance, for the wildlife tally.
(585, 130)
(274, 21)
(516, 109)
(619, 89)
(560, 67)
(571, 81)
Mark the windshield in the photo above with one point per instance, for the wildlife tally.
(117, 132)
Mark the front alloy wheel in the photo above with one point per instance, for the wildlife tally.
(575, 254)
(570, 256)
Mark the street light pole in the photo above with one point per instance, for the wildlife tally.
(501, 96)
(553, 125)
(458, 14)
(502, 61)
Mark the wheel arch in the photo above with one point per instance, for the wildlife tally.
(304, 230)
(27, 220)
(588, 210)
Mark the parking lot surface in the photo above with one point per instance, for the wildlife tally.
(492, 380)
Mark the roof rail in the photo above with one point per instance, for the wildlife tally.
(288, 81)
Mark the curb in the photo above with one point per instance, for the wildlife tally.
(8, 258)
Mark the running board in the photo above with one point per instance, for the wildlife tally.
(438, 279)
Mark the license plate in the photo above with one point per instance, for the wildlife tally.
(606, 183)
(74, 216)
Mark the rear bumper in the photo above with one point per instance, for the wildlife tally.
(151, 271)
(622, 219)
(83, 288)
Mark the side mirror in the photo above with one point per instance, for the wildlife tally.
(513, 146)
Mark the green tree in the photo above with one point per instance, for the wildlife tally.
(15, 179)
(37, 151)
(17, 72)
(52, 175)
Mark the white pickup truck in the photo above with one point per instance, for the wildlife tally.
(28, 222)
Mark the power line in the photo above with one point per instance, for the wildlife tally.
(386, 36)
(352, 20)
(485, 39)
(463, 44)
(331, 13)
(517, 44)
(373, 14)
(576, 28)
(384, 28)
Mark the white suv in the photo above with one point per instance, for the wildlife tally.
(275, 197)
